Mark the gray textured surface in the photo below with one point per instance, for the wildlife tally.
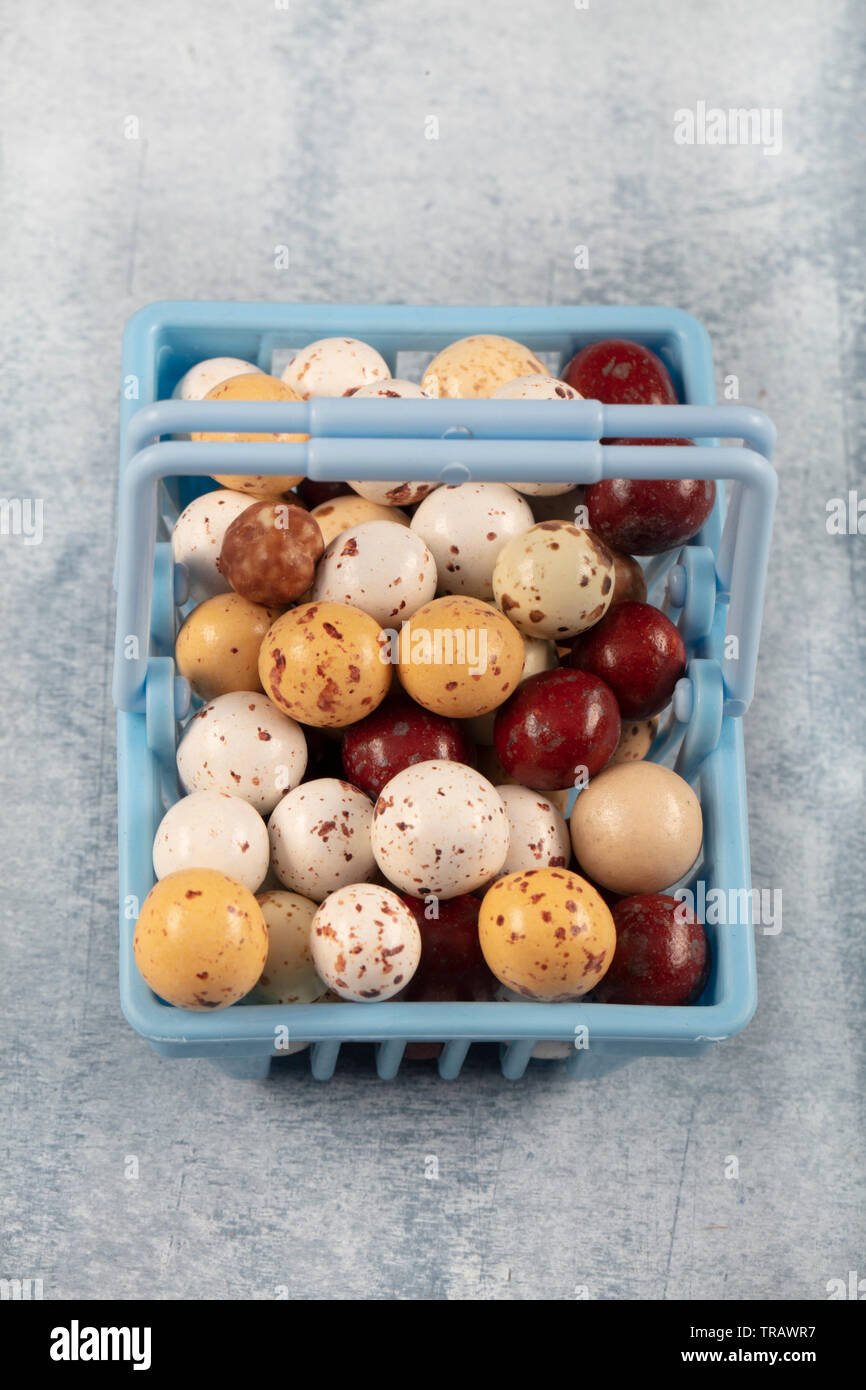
(305, 127)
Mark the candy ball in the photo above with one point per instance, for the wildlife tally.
(397, 735)
(325, 664)
(538, 387)
(289, 975)
(459, 657)
(217, 648)
(386, 571)
(212, 830)
(629, 581)
(452, 964)
(466, 527)
(204, 376)
(620, 372)
(557, 730)
(635, 740)
(391, 494)
(200, 939)
(269, 553)
(439, 828)
(646, 516)
(537, 832)
(662, 953)
(241, 744)
(637, 828)
(320, 837)
(554, 581)
(365, 942)
(547, 934)
(254, 387)
(478, 366)
(334, 367)
(636, 650)
(197, 538)
(338, 515)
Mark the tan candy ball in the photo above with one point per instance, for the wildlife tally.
(478, 366)
(289, 976)
(547, 934)
(554, 581)
(254, 387)
(325, 664)
(637, 828)
(217, 649)
(459, 657)
(200, 939)
(337, 516)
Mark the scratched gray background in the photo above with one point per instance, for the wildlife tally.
(304, 126)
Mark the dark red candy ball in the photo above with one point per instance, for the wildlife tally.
(452, 965)
(638, 652)
(396, 735)
(556, 727)
(662, 954)
(619, 372)
(645, 516)
(314, 493)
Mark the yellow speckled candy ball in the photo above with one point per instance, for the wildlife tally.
(459, 657)
(325, 664)
(478, 366)
(254, 387)
(289, 976)
(547, 934)
(336, 516)
(200, 939)
(217, 649)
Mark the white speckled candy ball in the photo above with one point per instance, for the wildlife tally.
(538, 836)
(392, 494)
(365, 942)
(334, 367)
(439, 828)
(554, 581)
(212, 830)
(538, 387)
(384, 569)
(466, 526)
(204, 376)
(320, 837)
(242, 744)
(197, 538)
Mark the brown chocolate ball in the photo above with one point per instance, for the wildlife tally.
(269, 553)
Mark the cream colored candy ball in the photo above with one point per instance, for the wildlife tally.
(385, 570)
(240, 743)
(197, 538)
(537, 831)
(289, 975)
(341, 513)
(217, 648)
(539, 387)
(538, 655)
(325, 664)
(320, 837)
(204, 376)
(466, 527)
(637, 828)
(254, 387)
(365, 942)
(635, 740)
(554, 581)
(439, 827)
(334, 367)
(212, 830)
(200, 939)
(478, 366)
(547, 934)
(459, 657)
